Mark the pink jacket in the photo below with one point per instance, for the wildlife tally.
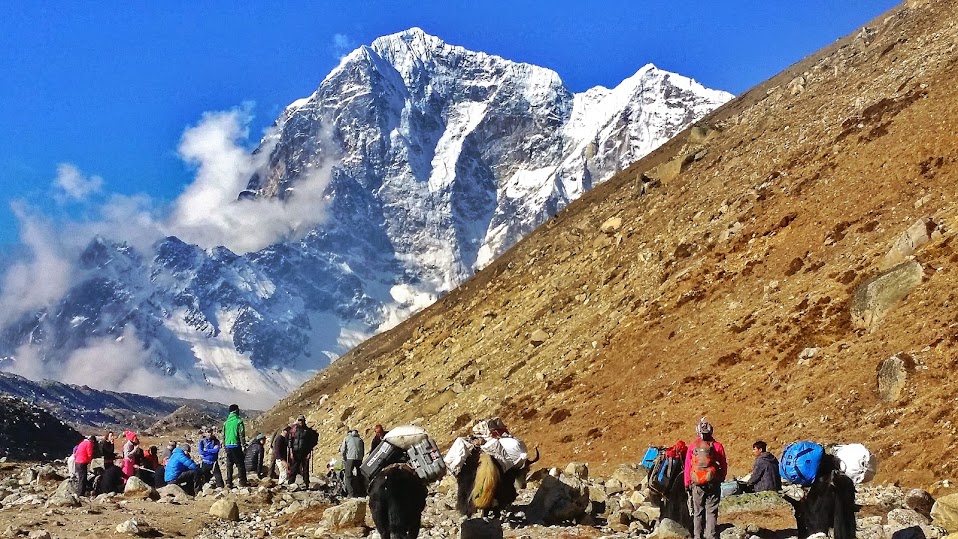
(84, 452)
(722, 462)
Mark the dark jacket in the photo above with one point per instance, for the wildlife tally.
(303, 440)
(280, 447)
(111, 481)
(108, 450)
(254, 457)
(374, 443)
(765, 474)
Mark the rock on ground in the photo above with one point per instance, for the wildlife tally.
(349, 514)
(225, 509)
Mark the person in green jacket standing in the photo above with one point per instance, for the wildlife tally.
(234, 438)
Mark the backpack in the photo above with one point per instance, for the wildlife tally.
(651, 454)
(665, 472)
(704, 468)
(856, 462)
(800, 461)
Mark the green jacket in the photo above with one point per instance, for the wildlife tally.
(234, 431)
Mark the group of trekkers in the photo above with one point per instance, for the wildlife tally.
(687, 479)
(291, 454)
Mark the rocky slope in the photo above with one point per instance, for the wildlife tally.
(413, 164)
(787, 268)
(28, 432)
(87, 407)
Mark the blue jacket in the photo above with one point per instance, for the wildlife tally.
(178, 464)
(209, 449)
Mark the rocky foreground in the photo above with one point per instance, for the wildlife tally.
(37, 501)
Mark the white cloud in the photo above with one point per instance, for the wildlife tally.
(41, 277)
(209, 214)
(342, 45)
(71, 184)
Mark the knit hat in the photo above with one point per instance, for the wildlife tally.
(129, 435)
(704, 427)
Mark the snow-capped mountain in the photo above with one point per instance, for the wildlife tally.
(440, 159)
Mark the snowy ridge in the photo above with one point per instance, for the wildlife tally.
(441, 159)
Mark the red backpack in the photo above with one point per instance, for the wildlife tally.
(704, 466)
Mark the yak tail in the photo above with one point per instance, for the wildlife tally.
(487, 480)
(533, 461)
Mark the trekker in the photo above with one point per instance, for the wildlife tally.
(132, 441)
(254, 456)
(182, 471)
(83, 455)
(108, 448)
(111, 480)
(380, 433)
(281, 454)
(209, 454)
(765, 475)
(302, 441)
(705, 469)
(168, 452)
(234, 438)
(352, 451)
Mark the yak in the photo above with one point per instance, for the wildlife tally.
(829, 504)
(397, 498)
(483, 486)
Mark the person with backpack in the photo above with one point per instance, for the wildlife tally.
(352, 449)
(705, 469)
(234, 438)
(209, 455)
(302, 441)
(765, 475)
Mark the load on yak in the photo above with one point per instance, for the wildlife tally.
(398, 471)
(490, 466)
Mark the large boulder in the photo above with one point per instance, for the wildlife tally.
(137, 488)
(175, 492)
(892, 375)
(945, 513)
(874, 297)
(558, 501)
(225, 509)
(909, 242)
(579, 470)
(631, 477)
(752, 502)
(670, 529)
(349, 514)
(919, 500)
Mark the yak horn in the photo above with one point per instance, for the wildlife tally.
(533, 461)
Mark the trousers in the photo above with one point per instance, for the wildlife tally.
(705, 506)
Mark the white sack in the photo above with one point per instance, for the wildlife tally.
(405, 436)
(856, 462)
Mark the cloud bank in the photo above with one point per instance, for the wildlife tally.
(208, 212)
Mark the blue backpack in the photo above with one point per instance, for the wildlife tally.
(651, 455)
(799, 462)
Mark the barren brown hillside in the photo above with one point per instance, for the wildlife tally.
(740, 247)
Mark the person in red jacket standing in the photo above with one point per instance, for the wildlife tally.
(705, 469)
(83, 455)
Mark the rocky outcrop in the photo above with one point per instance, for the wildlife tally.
(29, 432)
(893, 375)
(558, 500)
(874, 297)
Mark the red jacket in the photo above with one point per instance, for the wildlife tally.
(719, 452)
(84, 452)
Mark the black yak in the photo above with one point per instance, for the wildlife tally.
(828, 504)
(397, 498)
(482, 485)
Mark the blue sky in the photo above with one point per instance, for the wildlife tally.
(110, 87)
